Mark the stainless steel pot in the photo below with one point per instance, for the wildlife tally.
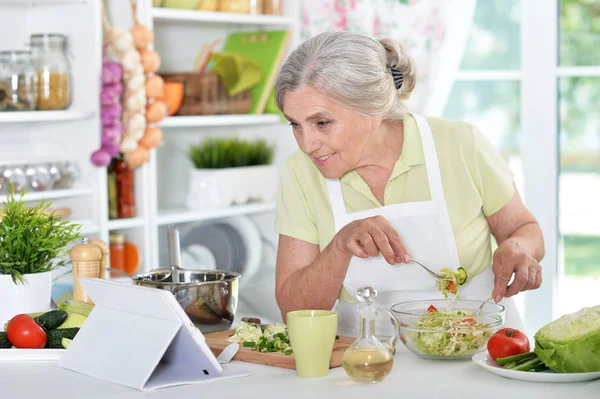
(208, 297)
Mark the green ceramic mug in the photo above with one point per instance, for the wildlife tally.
(312, 336)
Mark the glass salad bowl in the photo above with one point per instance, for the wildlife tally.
(442, 329)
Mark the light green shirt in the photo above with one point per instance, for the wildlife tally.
(477, 183)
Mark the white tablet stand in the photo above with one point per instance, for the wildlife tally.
(140, 337)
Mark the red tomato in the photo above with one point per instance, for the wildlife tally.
(507, 342)
(469, 321)
(431, 308)
(452, 287)
(23, 332)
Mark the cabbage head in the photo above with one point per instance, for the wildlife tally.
(571, 343)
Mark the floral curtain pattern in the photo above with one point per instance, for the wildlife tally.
(433, 32)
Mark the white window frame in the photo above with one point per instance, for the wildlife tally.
(540, 151)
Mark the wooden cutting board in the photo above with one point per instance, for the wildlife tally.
(217, 341)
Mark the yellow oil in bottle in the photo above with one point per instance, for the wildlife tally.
(367, 364)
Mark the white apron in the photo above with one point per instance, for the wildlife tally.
(427, 234)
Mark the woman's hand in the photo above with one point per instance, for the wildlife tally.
(370, 236)
(511, 258)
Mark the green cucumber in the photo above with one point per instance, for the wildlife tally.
(65, 342)
(4, 342)
(54, 337)
(74, 320)
(52, 319)
(461, 276)
(77, 307)
(515, 358)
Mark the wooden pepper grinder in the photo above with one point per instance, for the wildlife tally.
(85, 258)
(104, 248)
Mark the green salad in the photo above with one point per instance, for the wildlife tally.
(262, 338)
(449, 333)
(451, 281)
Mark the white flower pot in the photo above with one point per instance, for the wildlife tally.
(33, 295)
(220, 188)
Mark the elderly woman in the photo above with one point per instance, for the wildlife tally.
(373, 186)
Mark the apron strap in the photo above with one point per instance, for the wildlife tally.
(338, 207)
(431, 162)
(436, 187)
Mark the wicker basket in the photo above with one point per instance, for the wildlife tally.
(205, 94)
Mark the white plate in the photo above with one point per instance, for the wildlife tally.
(18, 355)
(253, 243)
(484, 360)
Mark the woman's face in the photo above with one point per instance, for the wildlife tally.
(331, 135)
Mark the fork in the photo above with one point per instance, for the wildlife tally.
(482, 305)
(438, 276)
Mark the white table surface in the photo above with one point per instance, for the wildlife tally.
(411, 377)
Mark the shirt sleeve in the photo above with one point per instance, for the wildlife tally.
(494, 177)
(293, 216)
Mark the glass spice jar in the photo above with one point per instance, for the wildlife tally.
(125, 189)
(113, 210)
(50, 57)
(117, 252)
(272, 7)
(18, 81)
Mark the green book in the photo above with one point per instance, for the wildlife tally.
(267, 49)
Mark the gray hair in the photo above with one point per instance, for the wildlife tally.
(351, 69)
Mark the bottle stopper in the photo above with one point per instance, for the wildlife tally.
(105, 250)
(85, 258)
(366, 295)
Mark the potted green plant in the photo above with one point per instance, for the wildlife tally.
(231, 171)
(33, 242)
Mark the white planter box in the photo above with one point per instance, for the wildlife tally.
(220, 188)
(32, 296)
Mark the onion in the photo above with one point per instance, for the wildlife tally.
(111, 93)
(152, 137)
(142, 36)
(121, 39)
(128, 144)
(112, 72)
(130, 59)
(150, 60)
(111, 114)
(156, 112)
(155, 87)
(137, 157)
(112, 150)
(101, 158)
(111, 134)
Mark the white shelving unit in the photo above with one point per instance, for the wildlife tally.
(44, 116)
(22, 3)
(53, 194)
(161, 15)
(176, 40)
(174, 216)
(219, 120)
(73, 134)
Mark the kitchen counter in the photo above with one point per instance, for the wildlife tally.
(411, 378)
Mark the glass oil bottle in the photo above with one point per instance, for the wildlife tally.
(368, 360)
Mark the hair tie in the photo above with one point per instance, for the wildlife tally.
(397, 76)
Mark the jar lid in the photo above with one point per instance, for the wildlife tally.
(45, 39)
(117, 238)
(15, 54)
(49, 36)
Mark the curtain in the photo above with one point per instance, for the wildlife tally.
(434, 33)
